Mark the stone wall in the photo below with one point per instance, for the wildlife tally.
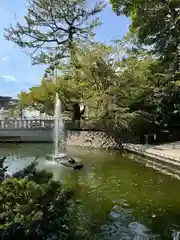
(27, 135)
(88, 139)
(156, 157)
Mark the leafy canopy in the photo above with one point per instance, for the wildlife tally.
(113, 89)
(155, 23)
(53, 27)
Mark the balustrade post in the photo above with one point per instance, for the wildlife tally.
(15, 124)
(19, 123)
(42, 123)
(2, 124)
(6, 124)
(24, 123)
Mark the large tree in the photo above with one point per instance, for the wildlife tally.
(113, 89)
(155, 23)
(52, 27)
(87, 79)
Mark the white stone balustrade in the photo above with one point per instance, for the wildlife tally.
(35, 130)
(26, 124)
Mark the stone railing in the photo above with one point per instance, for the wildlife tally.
(26, 124)
(35, 124)
(85, 125)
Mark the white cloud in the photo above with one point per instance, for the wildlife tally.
(4, 59)
(9, 78)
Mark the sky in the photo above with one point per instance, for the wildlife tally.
(16, 71)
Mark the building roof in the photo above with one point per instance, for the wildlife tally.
(5, 98)
(7, 102)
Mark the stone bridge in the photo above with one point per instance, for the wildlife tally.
(41, 130)
(27, 130)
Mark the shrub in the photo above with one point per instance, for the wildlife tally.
(33, 206)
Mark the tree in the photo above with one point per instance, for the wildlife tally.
(39, 97)
(81, 80)
(42, 97)
(53, 27)
(165, 102)
(94, 71)
(155, 23)
(119, 92)
(108, 92)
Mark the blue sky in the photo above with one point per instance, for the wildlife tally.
(16, 71)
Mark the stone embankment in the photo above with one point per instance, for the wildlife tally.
(164, 158)
(93, 140)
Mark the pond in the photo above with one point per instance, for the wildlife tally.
(117, 198)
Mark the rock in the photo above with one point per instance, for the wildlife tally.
(75, 166)
(71, 160)
(78, 167)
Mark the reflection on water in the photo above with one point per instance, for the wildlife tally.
(116, 197)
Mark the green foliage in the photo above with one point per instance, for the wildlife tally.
(165, 102)
(33, 206)
(155, 23)
(52, 28)
(127, 85)
(40, 97)
(119, 91)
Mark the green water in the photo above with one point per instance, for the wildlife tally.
(116, 197)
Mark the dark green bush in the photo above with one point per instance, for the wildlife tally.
(33, 206)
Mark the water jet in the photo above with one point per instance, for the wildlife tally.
(60, 156)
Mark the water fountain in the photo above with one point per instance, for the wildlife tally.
(59, 138)
(60, 155)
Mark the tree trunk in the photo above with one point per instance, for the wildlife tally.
(77, 114)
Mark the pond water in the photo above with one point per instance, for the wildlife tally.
(117, 198)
